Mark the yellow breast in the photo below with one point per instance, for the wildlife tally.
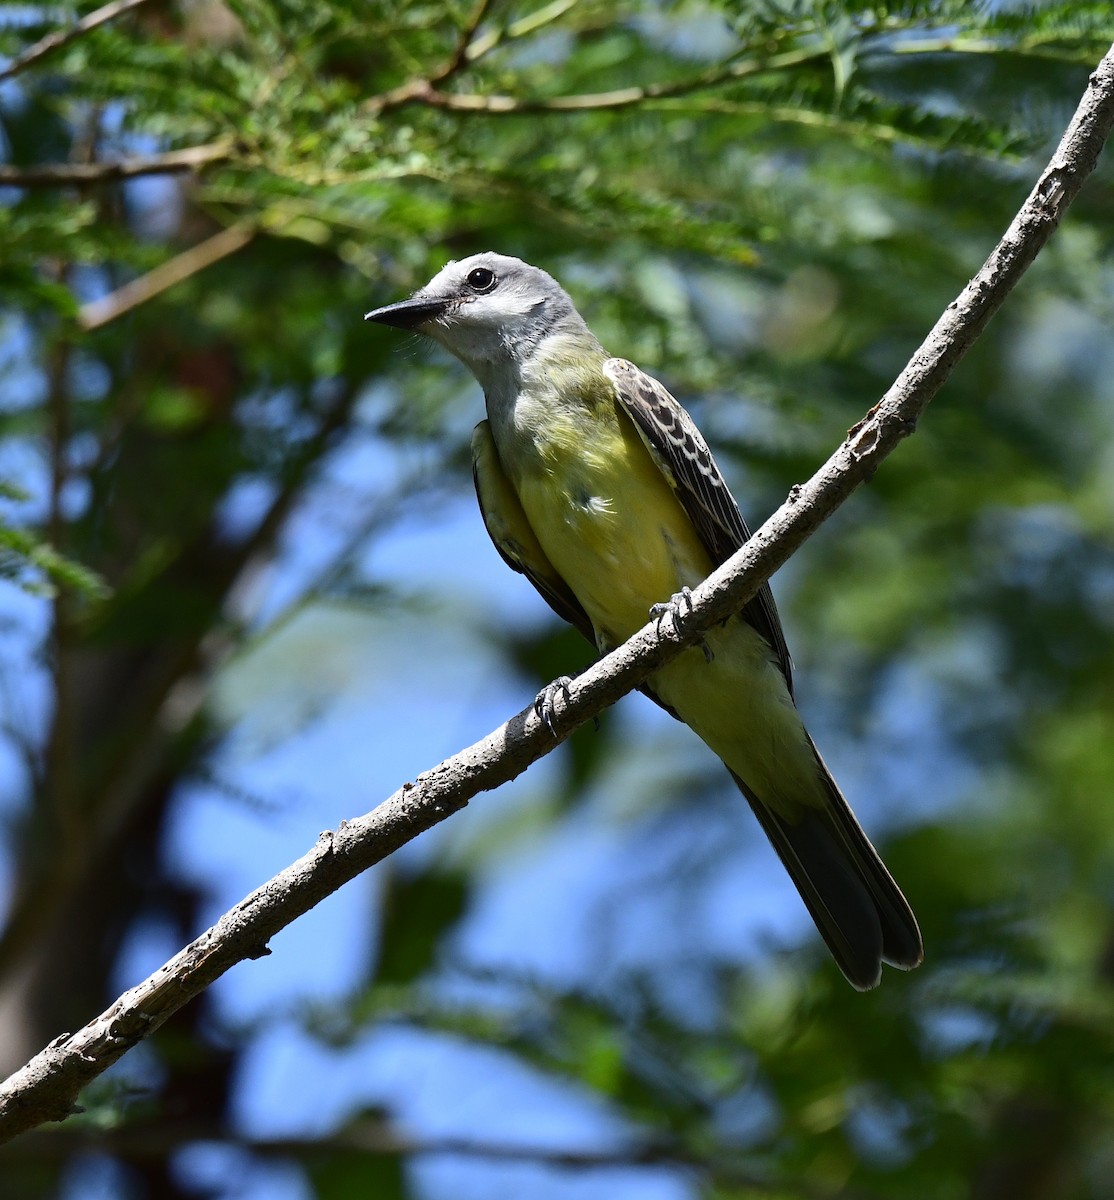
(608, 521)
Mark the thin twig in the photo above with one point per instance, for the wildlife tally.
(829, 122)
(416, 89)
(47, 1087)
(1037, 46)
(99, 312)
(173, 162)
(521, 28)
(425, 90)
(460, 57)
(63, 37)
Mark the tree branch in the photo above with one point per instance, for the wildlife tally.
(425, 90)
(173, 162)
(461, 56)
(415, 89)
(63, 37)
(227, 241)
(47, 1087)
(523, 27)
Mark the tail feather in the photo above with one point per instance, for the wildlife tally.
(858, 909)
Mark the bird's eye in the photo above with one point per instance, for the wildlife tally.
(480, 279)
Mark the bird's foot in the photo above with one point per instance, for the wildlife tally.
(679, 608)
(547, 700)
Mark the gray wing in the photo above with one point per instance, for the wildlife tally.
(682, 454)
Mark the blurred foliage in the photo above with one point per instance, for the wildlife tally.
(32, 563)
(766, 203)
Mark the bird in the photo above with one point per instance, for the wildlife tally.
(596, 484)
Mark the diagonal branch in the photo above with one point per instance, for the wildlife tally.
(47, 1087)
(63, 37)
(415, 89)
(521, 28)
(173, 162)
(461, 56)
(227, 241)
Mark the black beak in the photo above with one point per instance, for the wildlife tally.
(408, 314)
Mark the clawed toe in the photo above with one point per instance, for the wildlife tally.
(546, 701)
(679, 608)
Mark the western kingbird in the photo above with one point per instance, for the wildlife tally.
(597, 486)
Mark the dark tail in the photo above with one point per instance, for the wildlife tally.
(858, 909)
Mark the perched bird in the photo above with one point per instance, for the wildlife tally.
(597, 486)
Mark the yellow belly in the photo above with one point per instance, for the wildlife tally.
(611, 526)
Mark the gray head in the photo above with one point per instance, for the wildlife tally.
(489, 310)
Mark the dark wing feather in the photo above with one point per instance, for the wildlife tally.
(510, 532)
(681, 452)
(858, 909)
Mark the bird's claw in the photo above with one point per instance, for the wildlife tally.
(545, 702)
(679, 608)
